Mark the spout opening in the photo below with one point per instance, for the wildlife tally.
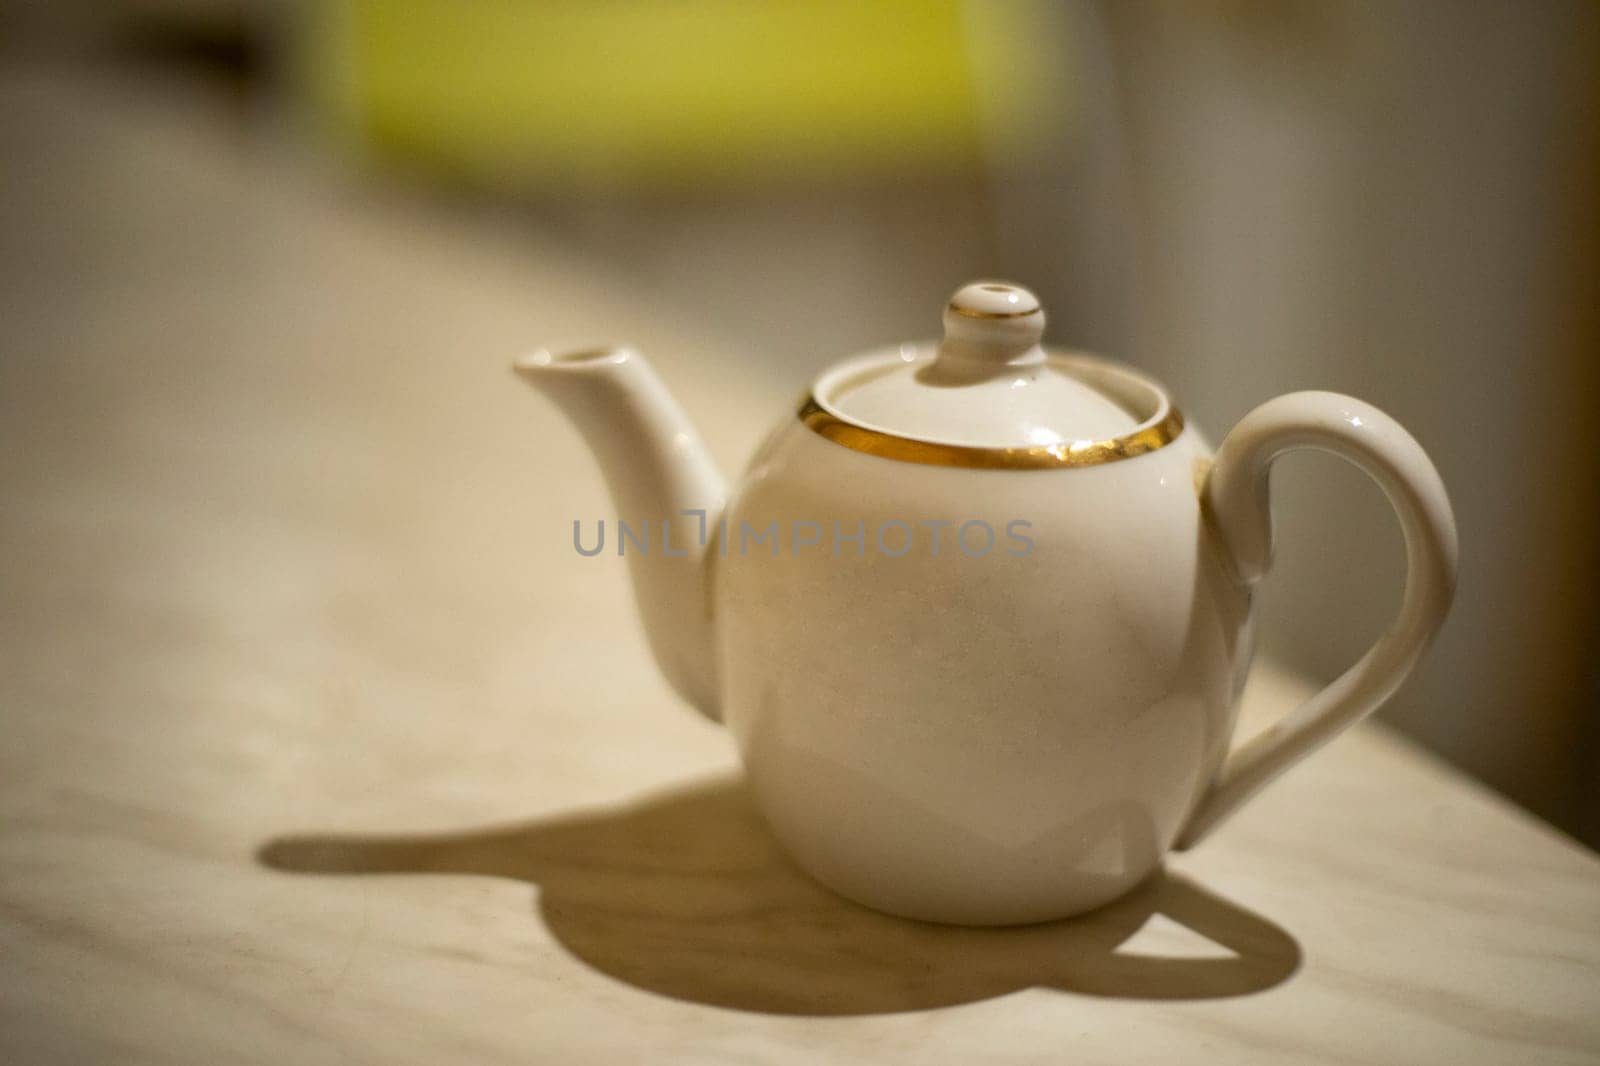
(539, 360)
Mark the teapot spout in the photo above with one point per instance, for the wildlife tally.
(667, 491)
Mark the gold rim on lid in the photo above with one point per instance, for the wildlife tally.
(1141, 441)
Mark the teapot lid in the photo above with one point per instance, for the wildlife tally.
(987, 384)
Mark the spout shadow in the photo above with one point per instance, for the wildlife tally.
(686, 894)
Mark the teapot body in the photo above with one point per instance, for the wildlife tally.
(976, 695)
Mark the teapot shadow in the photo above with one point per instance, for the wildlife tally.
(686, 894)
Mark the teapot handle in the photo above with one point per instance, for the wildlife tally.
(1237, 502)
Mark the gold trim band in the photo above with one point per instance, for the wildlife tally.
(1043, 457)
(971, 312)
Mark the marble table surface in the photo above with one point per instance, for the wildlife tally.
(320, 745)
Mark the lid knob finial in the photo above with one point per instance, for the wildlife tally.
(990, 327)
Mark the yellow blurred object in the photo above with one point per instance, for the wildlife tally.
(628, 92)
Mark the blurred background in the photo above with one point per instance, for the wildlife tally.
(1243, 197)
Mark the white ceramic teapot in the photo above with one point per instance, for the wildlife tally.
(978, 613)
